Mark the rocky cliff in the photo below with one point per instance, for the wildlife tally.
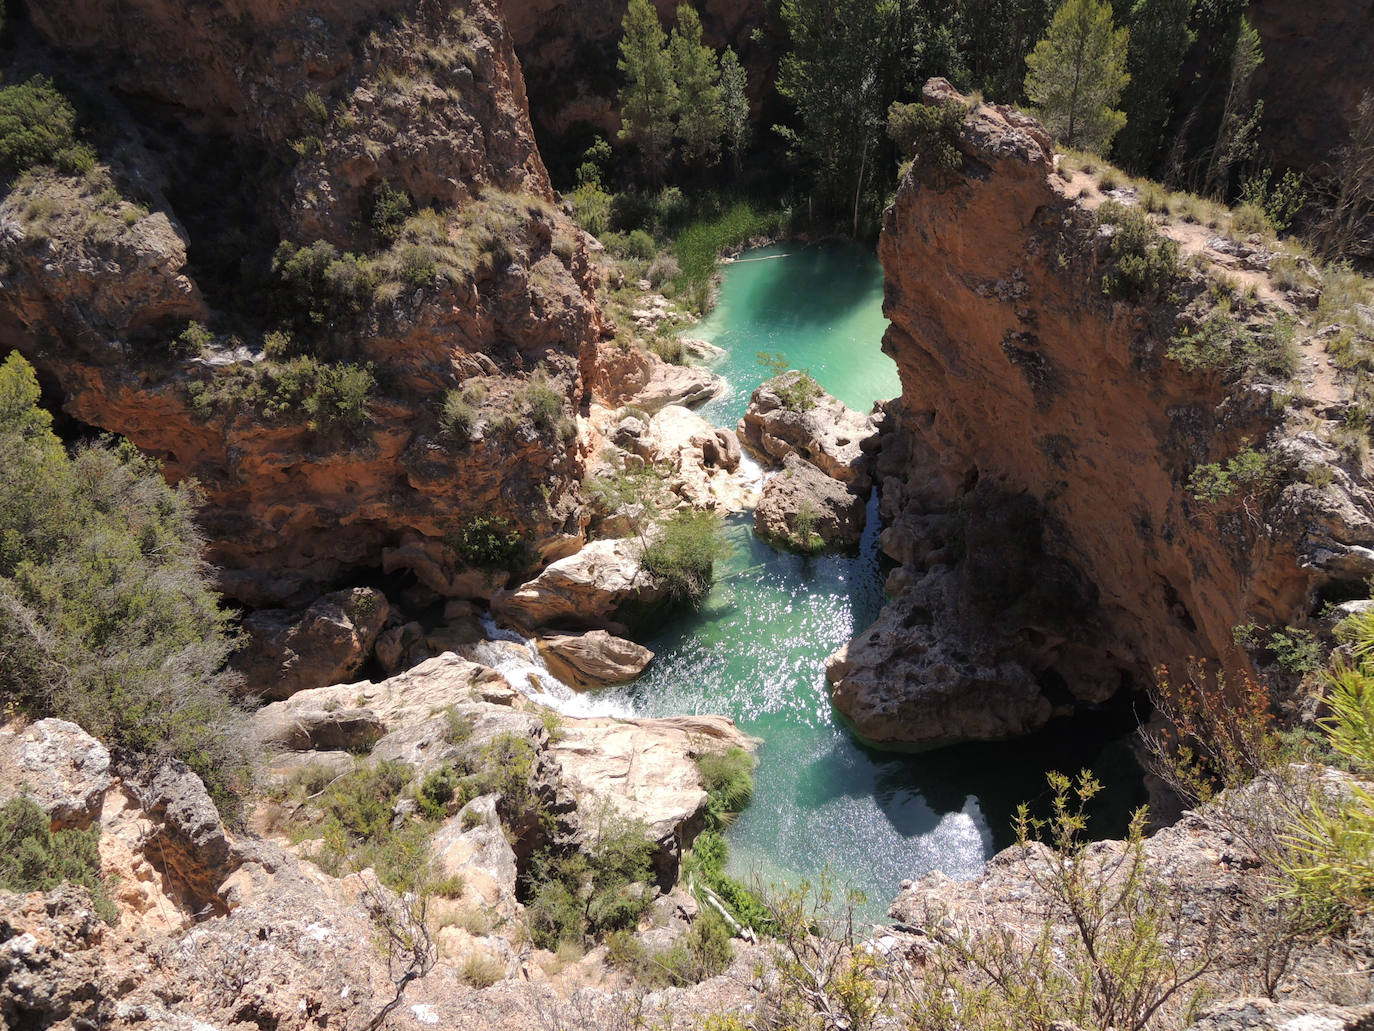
(325, 191)
(1318, 61)
(1039, 470)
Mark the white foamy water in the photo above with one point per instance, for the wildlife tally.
(517, 659)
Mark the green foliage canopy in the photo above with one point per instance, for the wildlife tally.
(107, 617)
(1076, 75)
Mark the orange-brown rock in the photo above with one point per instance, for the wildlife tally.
(1034, 469)
(426, 97)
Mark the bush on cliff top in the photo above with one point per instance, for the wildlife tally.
(107, 617)
(38, 127)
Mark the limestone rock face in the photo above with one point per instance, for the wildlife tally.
(326, 644)
(913, 678)
(1040, 453)
(804, 509)
(595, 658)
(646, 381)
(826, 432)
(61, 767)
(93, 294)
(585, 589)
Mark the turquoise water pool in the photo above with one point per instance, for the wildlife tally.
(756, 650)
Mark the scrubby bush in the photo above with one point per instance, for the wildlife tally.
(487, 543)
(389, 208)
(682, 557)
(457, 416)
(329, 396)
(107, 616)
(33, 857)
(1144, 264)
(572, 896)
(797, 390)
(38, 127)
(640, 245)
(929, 136)
(1250, 473)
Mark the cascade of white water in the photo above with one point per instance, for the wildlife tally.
(517, 659)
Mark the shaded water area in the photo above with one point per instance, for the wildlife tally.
(756, 650)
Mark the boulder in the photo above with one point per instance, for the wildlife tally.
(685, 385)
(803, 509)
(585, 589)
(354, 714)
(916, 677)
(594, 659)
(473, 846)
(326, 644)
(821, 429)
(57, 764)
(353, 729)
(642, 769)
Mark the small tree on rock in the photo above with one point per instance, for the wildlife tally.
(1076, 75)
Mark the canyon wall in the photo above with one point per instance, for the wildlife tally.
(314, 111)
(1035, 468)
(1318, 62)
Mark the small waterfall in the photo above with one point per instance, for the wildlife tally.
(518, 660)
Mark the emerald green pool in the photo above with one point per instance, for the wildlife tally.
(756, 650)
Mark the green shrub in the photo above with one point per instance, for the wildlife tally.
(1144, 264)
(1250, 474)
(106, 611)
(682, 557)
(797, 390)
(35, 858)
(929, 136)
(1220, 341)
(728, 778)
(640, 244)
(322, 285)
(38, 127)
(592, 208)
(388, 211)
(577, 895)
(488, 543)
(328, 396)
(707, 860)
(193, 340)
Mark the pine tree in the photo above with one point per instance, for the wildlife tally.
(734, 91)
(648, 100)
(701, 113)
(1076, 75)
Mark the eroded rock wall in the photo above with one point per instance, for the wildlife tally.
(341, 98)
(1034, 469)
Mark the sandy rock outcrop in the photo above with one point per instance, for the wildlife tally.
(821, 429)
(1034, 471)
(594, 659)
(585, 589)
(57, 764)
(643, 379)
(286, 652)
(804, 509)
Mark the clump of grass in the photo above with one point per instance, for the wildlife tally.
(682, 557)
(728, 779)
(482, 971)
